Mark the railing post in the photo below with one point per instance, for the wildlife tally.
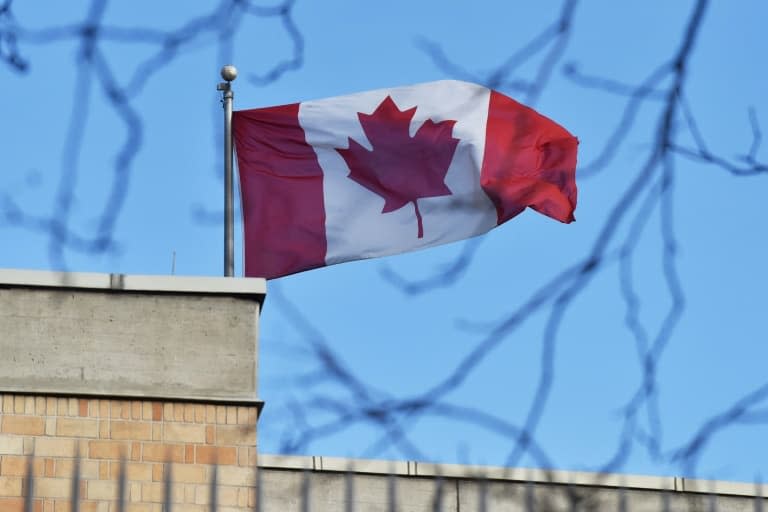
(305, 491)
(167, 491)
(29, 485)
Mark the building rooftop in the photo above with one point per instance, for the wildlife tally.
(497, 473)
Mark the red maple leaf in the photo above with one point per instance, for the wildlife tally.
(401, 168)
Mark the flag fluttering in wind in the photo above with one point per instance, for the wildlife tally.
(393, 170)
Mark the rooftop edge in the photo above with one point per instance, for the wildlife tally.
(541, 476)
(248, 286)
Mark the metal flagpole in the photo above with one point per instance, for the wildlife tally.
(228, 73)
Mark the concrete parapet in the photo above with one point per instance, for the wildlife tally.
(162, 337)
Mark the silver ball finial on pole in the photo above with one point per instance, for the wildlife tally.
(229, 72)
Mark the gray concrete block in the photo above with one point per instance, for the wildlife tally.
(95, 334)
(482, 488)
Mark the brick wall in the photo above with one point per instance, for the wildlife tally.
(148, 434)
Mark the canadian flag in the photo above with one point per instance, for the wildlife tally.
(393, 170)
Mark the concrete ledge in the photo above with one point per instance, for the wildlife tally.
(158, 337)
(496, 473)
(239, 286)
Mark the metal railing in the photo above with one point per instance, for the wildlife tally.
(447, 495)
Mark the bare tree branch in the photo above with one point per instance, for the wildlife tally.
(93, 66)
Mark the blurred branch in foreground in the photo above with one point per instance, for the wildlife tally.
(95, 71)
(651, 189)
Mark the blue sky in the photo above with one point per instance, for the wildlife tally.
(403, 344)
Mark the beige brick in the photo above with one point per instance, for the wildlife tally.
(233, 475)
(91, 506)
(52, 487)
(17, 505)
(153, 492)
(202, 494)
(93, 408)
(183, 433)
(62, 406)
(84, 506)
(134, 492)
(136, 451)
(8, 404)
(104, 406)
(210, 414)
(49, 468)
(210, 434)
(50, 406)
(189, 493)
(242, 496)
(125, 413)
(228, 496)
(73, 407)
(29, 405)
(115, 409)
(189, 413)
(23, 425)
(246, 416)
(104, 470)
(53, 447)
(221, 414)
(77, 427)
(157, 431)
(199, 413)
(89, 469)
(11, 445)
(252, 498)
(50, 426)
(201, 508)
(135, 410)
(40, 405)
(10, 486)
(189, 453)
(18, 404)
(157, 472)
(29, 445)
(106, 449)
(236, 435)
(231, 415)
(37, 505)
(135, 471)
(104, 429)
(101, 490)
(64, 468)
(133, 430)
(189, 473)
(13, 465)
(242, 456)
(178, 412)
(142, 507)
(161, 452)
(146, 411)
(215, 455)
(157, 411)
(168, 412)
